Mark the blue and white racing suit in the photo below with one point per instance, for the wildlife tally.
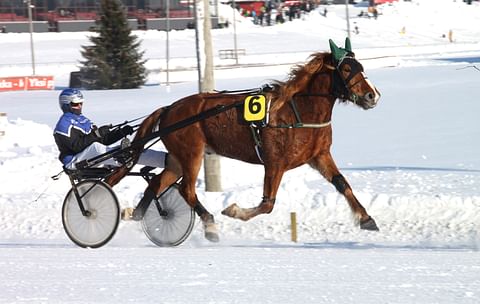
(77, 139)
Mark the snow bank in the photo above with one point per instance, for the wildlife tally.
(414, 207)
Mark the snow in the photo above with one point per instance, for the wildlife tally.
(412, 162)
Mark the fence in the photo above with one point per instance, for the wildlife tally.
(231, 53)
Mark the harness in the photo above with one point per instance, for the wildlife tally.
(256, 128)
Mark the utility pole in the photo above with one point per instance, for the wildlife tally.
(30, 24)
(198, 26)
(168, 45)
(348, 18)
(211, 161)
(235, 31)
(208, 83)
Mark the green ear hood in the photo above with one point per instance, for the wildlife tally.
(337, 52)
(348, 45)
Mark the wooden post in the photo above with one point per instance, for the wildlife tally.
(293, 226)
(3, 123)
(213, 179)
(450, 36)
(211, 161)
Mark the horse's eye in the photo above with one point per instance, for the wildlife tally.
(347, 69)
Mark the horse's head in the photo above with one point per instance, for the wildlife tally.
(350, 81)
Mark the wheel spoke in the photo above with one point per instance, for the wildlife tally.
(98, 228)
(173, 229)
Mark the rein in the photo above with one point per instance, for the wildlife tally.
(129, 121)
(242, 91)
(188, 121)
(157, 135)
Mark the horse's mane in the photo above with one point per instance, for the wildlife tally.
(298, 79)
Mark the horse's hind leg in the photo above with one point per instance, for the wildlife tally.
(191, 165)
(157, 185)
(209, 226)
(325, 164)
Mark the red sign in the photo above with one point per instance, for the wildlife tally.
(39, 83)
(26, 83)
(12, 84)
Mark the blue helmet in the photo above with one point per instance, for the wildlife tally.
(69, 96)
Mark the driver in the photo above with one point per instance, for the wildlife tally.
(78, 139)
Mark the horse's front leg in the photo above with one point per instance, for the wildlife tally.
(325, 164)
(271, 183)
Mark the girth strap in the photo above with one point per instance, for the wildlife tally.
(257, 139)
(299, 123)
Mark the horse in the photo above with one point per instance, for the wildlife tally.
(295, 129)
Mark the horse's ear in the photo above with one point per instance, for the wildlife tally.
(332, 45)
(334, 49)
(348, 45)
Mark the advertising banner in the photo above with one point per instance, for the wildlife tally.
(21, 83)
(12, 84)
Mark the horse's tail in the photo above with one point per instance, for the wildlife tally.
(147, 127)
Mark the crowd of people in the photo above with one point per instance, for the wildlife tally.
(272, 12)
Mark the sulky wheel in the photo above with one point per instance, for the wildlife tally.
(169, 220)
(100, 223)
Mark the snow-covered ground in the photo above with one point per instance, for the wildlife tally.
(413, 162)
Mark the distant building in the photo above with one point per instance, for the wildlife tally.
(80, 15)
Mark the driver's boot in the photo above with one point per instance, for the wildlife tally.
(142, 206)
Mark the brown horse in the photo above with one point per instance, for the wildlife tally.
(295, 130)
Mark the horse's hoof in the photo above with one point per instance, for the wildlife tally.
(369, 224)
(231, 210)
(212, 237)
(211, 232)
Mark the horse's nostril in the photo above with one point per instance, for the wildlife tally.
(370, 96)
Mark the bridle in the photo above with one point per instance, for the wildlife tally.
(340, 88)
(345, 91)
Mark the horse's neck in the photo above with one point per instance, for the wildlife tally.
(317, 101)
(306, 108)
(315, 105)
(314, 101)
